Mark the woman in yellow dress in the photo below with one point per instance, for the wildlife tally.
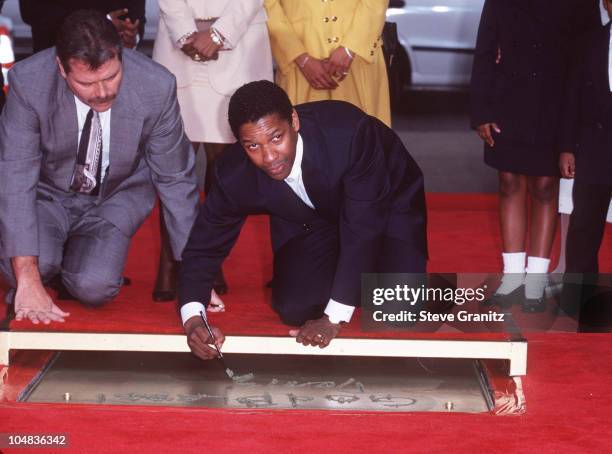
(331, 49)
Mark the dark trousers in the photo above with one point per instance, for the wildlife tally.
(304, 270)
(587, 225)
(44, 36)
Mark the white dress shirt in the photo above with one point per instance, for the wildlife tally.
(337, 312)
(82, 111)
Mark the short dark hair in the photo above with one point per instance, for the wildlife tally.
(88, 36)
(255, 100)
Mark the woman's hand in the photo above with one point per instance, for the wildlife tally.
(315, 72)
(339, 63)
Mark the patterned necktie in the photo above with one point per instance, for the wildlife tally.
(88, 169)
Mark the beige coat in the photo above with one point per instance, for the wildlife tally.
(241, 22)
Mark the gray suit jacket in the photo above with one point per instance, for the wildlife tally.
(149, 151)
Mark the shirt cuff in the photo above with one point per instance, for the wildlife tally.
(338, 312)
(192, 309)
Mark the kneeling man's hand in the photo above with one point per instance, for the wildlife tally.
(34, 303)
(199, 340)
(316, 332)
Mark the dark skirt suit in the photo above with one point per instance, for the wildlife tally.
(520, 76)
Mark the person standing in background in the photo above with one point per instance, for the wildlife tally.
(519, 83)
(212, 47)
(45, 18)
(566, 204)
(586, 148)
(331, 50)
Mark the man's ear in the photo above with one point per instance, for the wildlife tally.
(61, 67)
(295, 121)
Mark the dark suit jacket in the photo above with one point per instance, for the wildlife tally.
(587, 130)
(357, 174)
(46, 16)
(524, 92)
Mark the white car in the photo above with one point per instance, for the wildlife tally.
(438, 38)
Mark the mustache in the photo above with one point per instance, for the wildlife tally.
(103, 100)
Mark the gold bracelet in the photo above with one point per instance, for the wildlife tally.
(183, 39)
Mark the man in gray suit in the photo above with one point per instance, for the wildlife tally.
(90, 134)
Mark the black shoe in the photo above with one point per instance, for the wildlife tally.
(162, 296)
(9, 298)
(220, 285)
(505, 301)
(533, 305)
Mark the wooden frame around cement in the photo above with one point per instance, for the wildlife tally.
(515, 351)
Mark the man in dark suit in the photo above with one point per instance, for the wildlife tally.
(45, 18)
(587, 148)
(344, 198)
(90, 135)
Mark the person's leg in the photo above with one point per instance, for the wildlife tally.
(564, 220)
(94, 259)
(304, 270)
(53, 226)
(398, 256)
(43, 36)
(544, 194)
(513, 224)
(213, 151)
(566, 206)
(165, 282)
(587, 225)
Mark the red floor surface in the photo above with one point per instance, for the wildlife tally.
(569, 377)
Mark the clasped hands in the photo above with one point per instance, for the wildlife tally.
(201, 47)
(324, 74)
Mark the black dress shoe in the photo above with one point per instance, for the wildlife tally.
(220, 285)
(505, 301)
(162, 296)
(533, 305)
(9, 298)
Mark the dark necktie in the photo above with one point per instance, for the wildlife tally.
(88, 169)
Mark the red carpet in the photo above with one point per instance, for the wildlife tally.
(569, 375)
(569, 380)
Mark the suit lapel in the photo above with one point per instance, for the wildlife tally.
(64, 127)
(281, 200)
(125, 130)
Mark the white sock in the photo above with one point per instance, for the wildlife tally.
(514, 272)
(537, 277)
